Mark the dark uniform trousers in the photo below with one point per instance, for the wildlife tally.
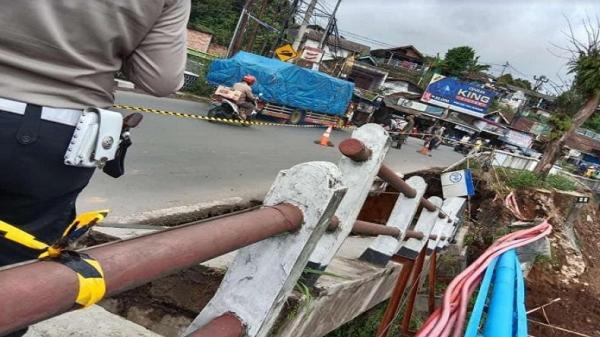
(37, 190)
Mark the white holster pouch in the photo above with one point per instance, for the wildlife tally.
(96, 138)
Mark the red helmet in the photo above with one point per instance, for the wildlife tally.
(249, 79)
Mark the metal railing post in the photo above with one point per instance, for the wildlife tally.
(409, 252)
(263, 275)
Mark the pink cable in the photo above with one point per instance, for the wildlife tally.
(448, 317)
(452, 315)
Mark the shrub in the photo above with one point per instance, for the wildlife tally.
(522, 179)
(528, 179)
(561, 182)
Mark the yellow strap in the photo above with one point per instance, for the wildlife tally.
(21, 237)
(90, 276)
(85, 220)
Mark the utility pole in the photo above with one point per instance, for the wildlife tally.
(329, 25)
(236, 40)
(504, 66)
(539, 81)
(255, 26)
(286, 24)
(302, 30)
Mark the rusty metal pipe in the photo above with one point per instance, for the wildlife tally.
(411, 234)
(334, 224)
(226, 325)
(373, 229)
(359, 152)
(412, 295)
(389, 176)
(397, 292)
(432, 280)
(41, 290)
(355, 150)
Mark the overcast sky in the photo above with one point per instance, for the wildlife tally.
(518, 31)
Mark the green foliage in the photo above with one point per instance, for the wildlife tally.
(586, 68)
(274, 15)
(518, 82)
(460, 61)
(469, 239)
(560, 182)
(593, 123)
(560, 123)
(364, 325)
(528, 179)
(569, 102)
(522, 179)
(200, 67)
(219, 16)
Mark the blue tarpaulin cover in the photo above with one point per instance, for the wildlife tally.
(285, 83)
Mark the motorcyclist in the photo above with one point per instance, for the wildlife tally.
(246, 103)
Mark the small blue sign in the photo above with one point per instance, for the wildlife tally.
(457, 184)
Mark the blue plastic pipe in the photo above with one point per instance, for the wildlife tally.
(478, 308)
(520, 302)
(501, 312)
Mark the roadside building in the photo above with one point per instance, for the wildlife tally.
(200, 39)
(407, 57)
(587, 143)
(335, 48)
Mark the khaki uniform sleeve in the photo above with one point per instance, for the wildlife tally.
(158, 63)
(249, 94)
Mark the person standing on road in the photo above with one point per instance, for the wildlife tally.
(437, 138)
(58, 58)
(247, 100)
(406, 130)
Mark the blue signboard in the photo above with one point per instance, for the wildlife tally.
(448, 92)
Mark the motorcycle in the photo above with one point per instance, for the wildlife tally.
(463, 148)
(395, 129)
(464, 145)
(225, 105)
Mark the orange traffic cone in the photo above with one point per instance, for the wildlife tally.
(324, 141)
(425, 149)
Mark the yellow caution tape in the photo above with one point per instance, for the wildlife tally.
(21, 237)
(90, 275)
(82, 223)
(217, 119)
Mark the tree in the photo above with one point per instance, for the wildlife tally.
(583, 99)
(517, 82)
(460, 61)
(593, 123)
(219, 17)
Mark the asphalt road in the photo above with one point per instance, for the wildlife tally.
(176, 162)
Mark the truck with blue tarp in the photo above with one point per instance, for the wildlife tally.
(294, 94)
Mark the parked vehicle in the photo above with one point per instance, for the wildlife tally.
(293, 94)
(364, 103)
(225, 105)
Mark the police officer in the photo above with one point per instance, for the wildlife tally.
(58, 57)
